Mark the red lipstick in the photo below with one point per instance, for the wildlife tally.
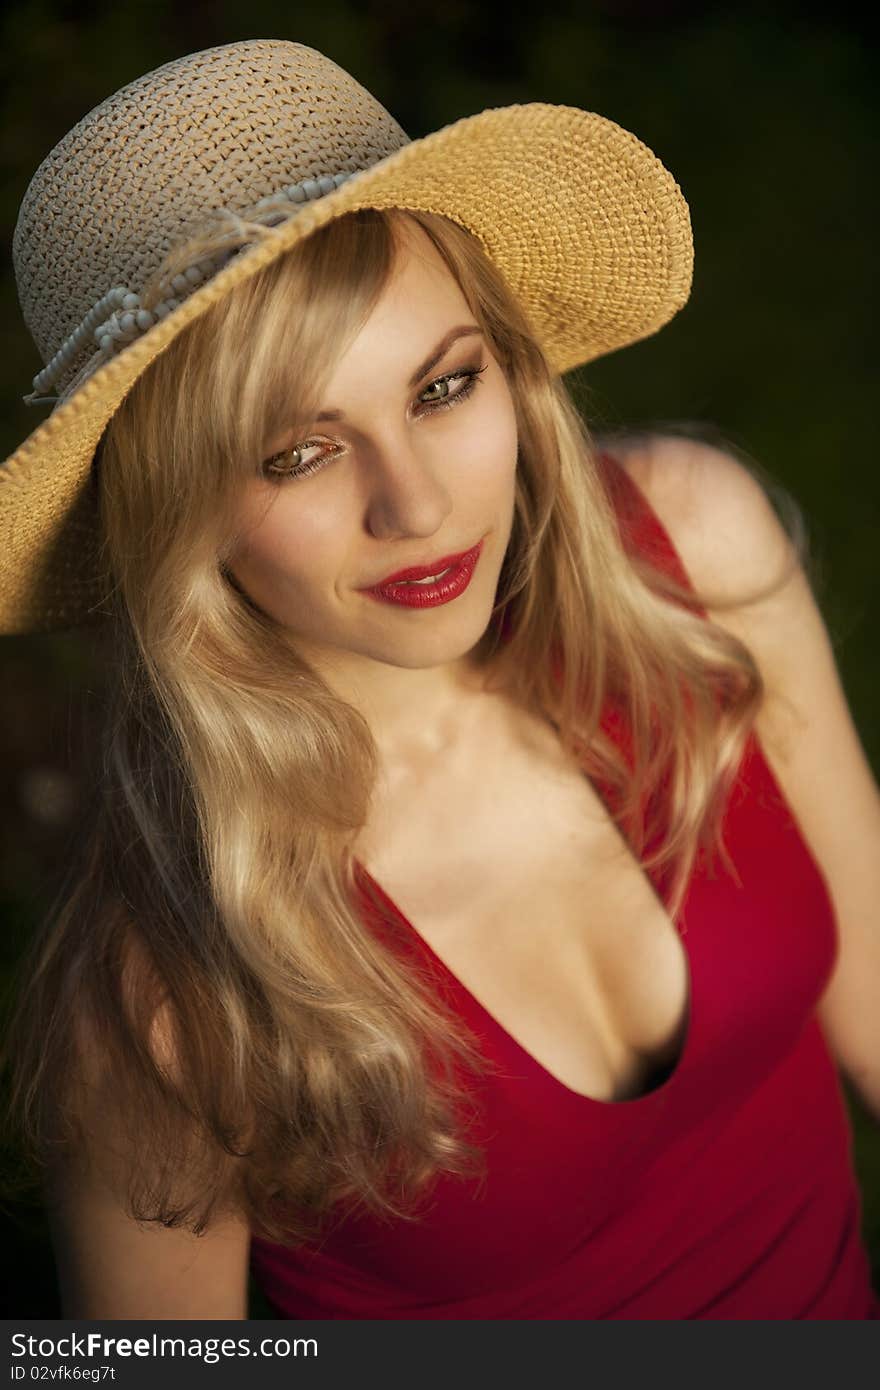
(404, 589)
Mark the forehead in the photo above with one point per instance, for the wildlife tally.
(420, 301)
(419, 275)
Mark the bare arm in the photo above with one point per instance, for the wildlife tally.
(110, 1266)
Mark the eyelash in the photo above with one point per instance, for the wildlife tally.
(471, 376)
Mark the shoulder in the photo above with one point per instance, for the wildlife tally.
(716, 511)
(745, 569)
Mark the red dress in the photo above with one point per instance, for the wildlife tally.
(726, 1192)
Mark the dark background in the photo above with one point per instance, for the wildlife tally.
(767, 117)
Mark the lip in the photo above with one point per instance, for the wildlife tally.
(422, 571)
(443, 590)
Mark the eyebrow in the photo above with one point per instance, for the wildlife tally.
(464, 330)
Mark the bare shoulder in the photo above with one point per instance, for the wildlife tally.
(742, 564)
(716, 512)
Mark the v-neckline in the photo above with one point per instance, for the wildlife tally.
(577, 1098)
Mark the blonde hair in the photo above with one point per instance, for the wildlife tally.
(205, 975)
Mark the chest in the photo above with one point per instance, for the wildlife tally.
(518, 880)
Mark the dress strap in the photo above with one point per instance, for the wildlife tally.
(641, 529)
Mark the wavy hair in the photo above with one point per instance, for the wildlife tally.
(206, 1008)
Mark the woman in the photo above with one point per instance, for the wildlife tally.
(441, 944)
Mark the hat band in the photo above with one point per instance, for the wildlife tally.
(129, 320)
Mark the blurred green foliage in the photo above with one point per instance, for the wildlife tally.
(766, 115)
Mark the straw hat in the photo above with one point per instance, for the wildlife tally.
(588, 228)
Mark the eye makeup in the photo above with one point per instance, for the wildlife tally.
(273, 469)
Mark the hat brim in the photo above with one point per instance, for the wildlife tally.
(589, 229)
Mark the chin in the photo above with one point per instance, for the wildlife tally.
(433, 649)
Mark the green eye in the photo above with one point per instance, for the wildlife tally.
(295, 466)
(470, 377)
(441, 381)
(292, 456)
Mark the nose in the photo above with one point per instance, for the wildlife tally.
(406, 492)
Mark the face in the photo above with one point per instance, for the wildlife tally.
(414, 471)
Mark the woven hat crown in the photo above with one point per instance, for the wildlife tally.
(213, 132)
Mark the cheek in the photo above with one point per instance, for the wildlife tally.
(290, 545)
(496, 439)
